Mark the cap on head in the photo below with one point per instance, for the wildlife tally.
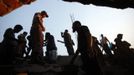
(44, 12)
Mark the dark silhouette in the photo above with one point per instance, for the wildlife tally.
(90, 63)
(104, 43)
(37, 36)
(123, 54)
(22, 44)
(51, 49)
(121, 47)
(97, 50)
(119, 4)
(68, 42)
(95, 46)
(9, 45)
(118, 44)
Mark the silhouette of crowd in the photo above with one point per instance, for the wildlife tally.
(13, 50)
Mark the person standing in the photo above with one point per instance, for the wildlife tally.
(68, 42)
(22, 44)
(37, 36)
(51, 49)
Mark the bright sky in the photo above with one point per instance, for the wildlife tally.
(100, 20)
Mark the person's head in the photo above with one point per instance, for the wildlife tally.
(47, 35)
(119, 36)
(25, 33)
(76, 25)
(66, 30)
(17, 28)
(44, 14)
(101, 35)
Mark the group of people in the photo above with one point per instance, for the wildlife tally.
(12, 48)
(9, 45)
(88, 45)
(90, 50)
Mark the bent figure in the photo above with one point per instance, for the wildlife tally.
(90, 63)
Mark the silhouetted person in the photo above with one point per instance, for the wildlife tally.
(22, 44)
(51, 49)
(37, 36)
(95, 46)
(104, 43)
(123, 53)
(10, 45)
(97, 50)
(121, 47)
(118, 44)
(68, 42)
(90, 64)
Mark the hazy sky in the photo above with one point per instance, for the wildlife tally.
(100, 20)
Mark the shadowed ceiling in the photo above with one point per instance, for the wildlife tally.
(7, 6)
(120, 4)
